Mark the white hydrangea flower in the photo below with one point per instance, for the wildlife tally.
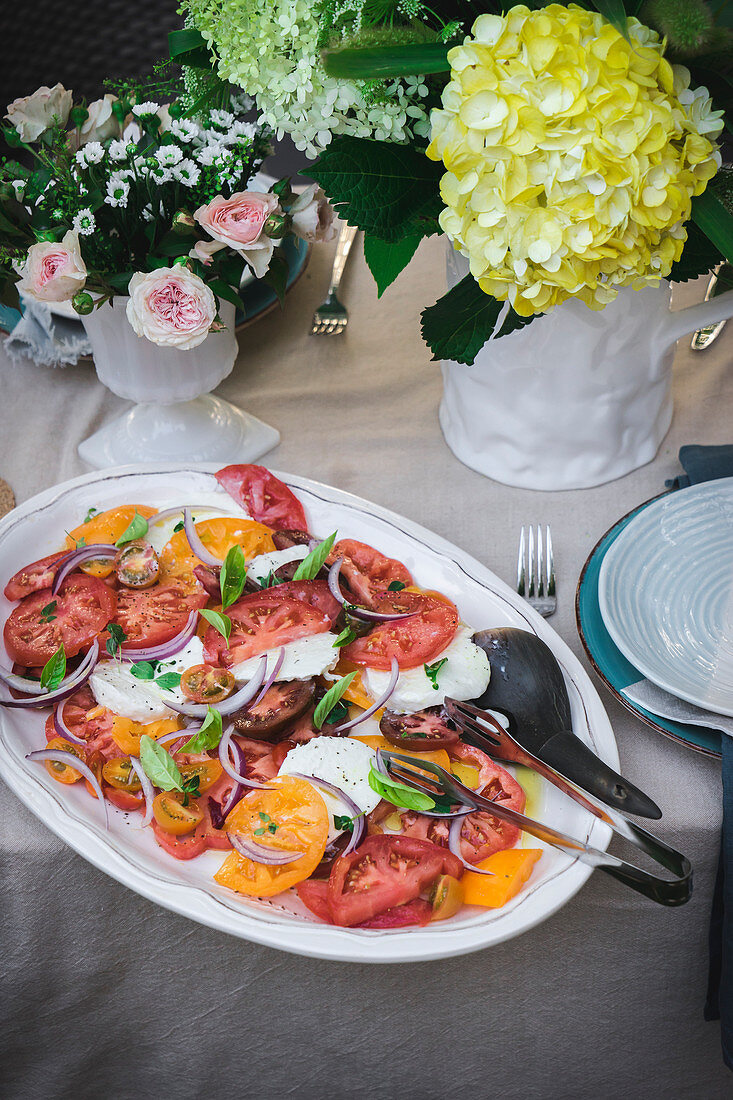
(186, 172)
(118, 188)
(147, 108)
(91, 153)
(84, 223)
(184, 129)
(168, 155)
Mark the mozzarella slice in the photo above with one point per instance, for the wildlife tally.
(304, 658)
(343, 761)
(465, 675)
(206, 506)
(114, 686)
(260, 567)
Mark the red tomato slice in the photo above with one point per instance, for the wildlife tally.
(264, 496)
(414, 912)
(414, 641)
(382, 873)
(482, 834)
(260, 621)
(260, 763)
(187, 846)
(31, 578)
(152, 616)
(367, 572)
(84, 606)
(316, 593)
(314, 895)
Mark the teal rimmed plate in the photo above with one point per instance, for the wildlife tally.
(608, 661)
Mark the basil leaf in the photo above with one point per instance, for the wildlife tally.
(179, 526)
(345, 638)
(159, 766)
(395, 586)
(169, 680)
(310, 566)
(330, 699)
(398, 793)
(48, 613)
(209, 736)
(116, 637)
(136, 529)
(232, 577)
(143, 670)
(54, 669)
(222, 623)
(90, 513)
(431, 671)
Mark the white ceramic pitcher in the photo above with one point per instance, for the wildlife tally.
(575, 399)
(176, 418)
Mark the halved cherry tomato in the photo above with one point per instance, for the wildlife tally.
(300, 819)
(425, 729)
(64, 772)
(207, 684)
(510, 870)
(280, 708)
(181, 846)
(171, 814)
(208, 771)
(178, 561)
(367, 572)
(84, 606)
(384, 872)
(264, 496)
(107, 526)
(119, 774)
(414, 641)
(260, 621)
(123, 800)
(446, 897)
(31, 578)
(137, 565)
(153, 616)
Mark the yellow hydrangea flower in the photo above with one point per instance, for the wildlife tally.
(572, 156)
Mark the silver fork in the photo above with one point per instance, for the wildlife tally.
(332, 317)
(536, 570)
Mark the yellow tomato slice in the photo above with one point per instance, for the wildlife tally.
(108, 526)
(126, 733)
(376, 741)
(300, 819)
(510, 870)
(356, 692)
(177, 561)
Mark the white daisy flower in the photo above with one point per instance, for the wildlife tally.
(183, 129)
(118, 188)
(118, 150)
(84, 223)
(186, 172)
(211, 154)
(147, 213)
(91, 153)
(148, 108)
(161, 173)
(221, 119)
(168, 155)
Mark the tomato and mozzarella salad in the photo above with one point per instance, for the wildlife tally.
(230, 676)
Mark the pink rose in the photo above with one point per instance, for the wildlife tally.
(238, 223)
(171, 306)
(53, 271)
(31, 115)
(101, 124)
(312, 216)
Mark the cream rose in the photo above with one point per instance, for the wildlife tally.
(32, 114)
(238, 223)
(53, 271)
(101, 124)
(312, 216)
(171, 306)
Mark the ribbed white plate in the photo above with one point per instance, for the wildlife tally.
(132, 856)
(666, 594)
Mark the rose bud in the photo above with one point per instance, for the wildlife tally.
(83, 303)
(276, 226)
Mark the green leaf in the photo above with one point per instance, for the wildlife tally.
(223, 290)
(48, 613)
(398, 793)
(169, 680)
(330, 699)
(513, 321)
(92, 512)
(116, 637)
(159, 766)
(699, 256)
(386, 259)
(386, 189)
(343, 823)
(380, 62)
(431, 671)
(222, 623)
(311, 565)
(615, 12)
(460, 323)
(54, 669)
(143, 670)
(232, 576)
(277, 274)
(136, 529)
(715, 221)
(184, 41)
(395, 586)
(209, 736)
(346, 637)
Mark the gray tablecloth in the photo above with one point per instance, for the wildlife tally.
(103, 993)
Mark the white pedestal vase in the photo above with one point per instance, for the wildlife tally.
(575, 399)
(176, 417)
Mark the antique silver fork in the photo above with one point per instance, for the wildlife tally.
(332, 317)
(536, 570)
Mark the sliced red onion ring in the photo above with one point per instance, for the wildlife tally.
(357, 816)
(78, 557)
(67, 686)
(260, 854)
(454, 843)
(381, 765)
(148, 790)
(194, 541)
(178, 511)
(165, 649)
(177, 735)
(375, 706)
(73, 762)
(271, 678)
(225, 746)
(60, 726)
(238, 790)
(360, 612)
(227, 706)
(30, 687)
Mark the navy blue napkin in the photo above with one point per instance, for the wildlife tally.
(708, 464)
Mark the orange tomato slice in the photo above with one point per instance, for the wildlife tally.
(300, 820)
(177, 561)
(376, 741)
(511, 868)
(109, 525)
(126, 733)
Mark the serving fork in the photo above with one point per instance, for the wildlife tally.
(332, 317)
(536, 570)
(441, 784)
